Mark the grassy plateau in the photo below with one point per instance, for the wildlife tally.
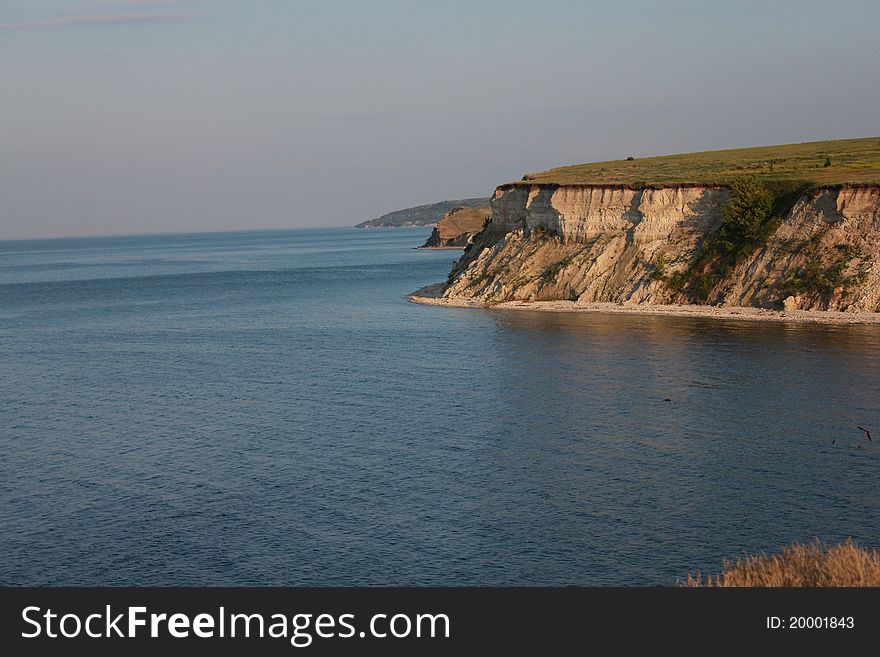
(818, 163)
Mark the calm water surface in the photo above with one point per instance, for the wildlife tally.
(267, 408)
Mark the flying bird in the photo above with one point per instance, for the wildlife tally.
(867, 433)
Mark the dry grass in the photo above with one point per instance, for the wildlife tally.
(462, 220)
(818, 162)
(800, 565)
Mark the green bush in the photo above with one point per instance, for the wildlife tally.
(749, 216)
(659, 267)
(549, 274)
(704, 284)
(745, 213)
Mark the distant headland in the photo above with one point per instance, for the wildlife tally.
(421, 215)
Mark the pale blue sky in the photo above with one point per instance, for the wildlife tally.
(135, 116)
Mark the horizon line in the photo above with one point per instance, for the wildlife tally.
(172, 233)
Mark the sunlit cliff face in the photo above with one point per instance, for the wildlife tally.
(587, 243)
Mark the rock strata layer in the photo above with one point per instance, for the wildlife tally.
(587, 243)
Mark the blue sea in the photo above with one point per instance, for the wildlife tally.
(268, 408)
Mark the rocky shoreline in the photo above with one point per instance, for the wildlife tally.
(431, 296)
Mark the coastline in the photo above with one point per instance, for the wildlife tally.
(430, 296)
(439, 248)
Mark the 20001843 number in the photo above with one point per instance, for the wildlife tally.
(821, 622)
(811, 623)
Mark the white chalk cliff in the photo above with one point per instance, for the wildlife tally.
(591, 243)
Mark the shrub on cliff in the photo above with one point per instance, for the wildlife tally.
(659, 267)
(746, 212)
(800, 565)
(748, 217)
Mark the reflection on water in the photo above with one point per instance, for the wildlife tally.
(739, 457)
(267, 408)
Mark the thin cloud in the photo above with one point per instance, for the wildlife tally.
(135, 3)
(365, 116)
(97, 19)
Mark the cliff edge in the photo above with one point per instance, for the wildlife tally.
(794, 227)
(586, 243)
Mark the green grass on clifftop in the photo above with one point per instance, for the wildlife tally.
(818, 162)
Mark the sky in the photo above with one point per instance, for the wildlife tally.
(152, 116)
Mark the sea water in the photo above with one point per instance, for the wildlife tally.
(268, 408)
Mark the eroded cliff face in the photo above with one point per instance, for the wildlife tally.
(614, 244)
